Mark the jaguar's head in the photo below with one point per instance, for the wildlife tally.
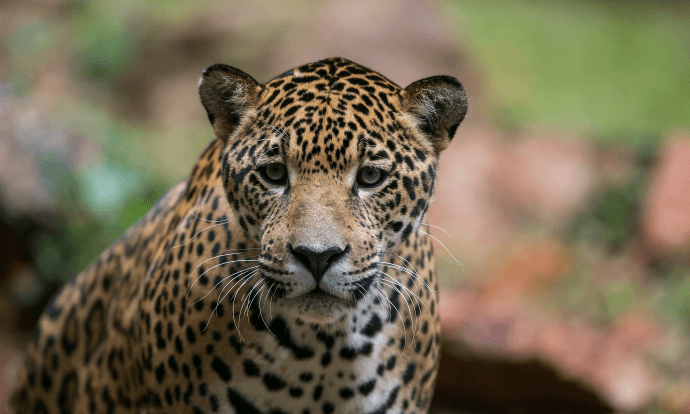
(329, 167)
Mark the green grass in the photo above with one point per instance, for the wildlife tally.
(604, 69)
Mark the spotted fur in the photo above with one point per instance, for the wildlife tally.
(247, 291)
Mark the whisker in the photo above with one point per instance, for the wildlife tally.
(271, 302)
(233, 276)
(215, 309)
(245, 278)
(210, 221)
(398, 267)
(444, 246)
(413, 318)
(234, 299)
(414, 276)
(414, 297)
(436, 227)
(225, 253)
(401, 322)
(361, 288)
(249, 299)
(244, 273)
(379, 289)
(266, 152)
(360, 141)
(268, 298)
(401, 258)
(213, 267)
(381, 304)
(261, 314)
(419, 299)
(196, 234)
(280, 132)
(402, 267)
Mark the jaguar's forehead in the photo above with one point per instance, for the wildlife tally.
(335, 74)
(346, 88)
(328, 109)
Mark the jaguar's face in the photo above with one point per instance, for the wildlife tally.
(329, 171)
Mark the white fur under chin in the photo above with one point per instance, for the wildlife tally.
(329, 313)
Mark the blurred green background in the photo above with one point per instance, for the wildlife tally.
(99, 116)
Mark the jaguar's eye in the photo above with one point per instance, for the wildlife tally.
(370, 176)
(274, 173)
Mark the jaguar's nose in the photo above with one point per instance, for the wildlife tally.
(317, 261)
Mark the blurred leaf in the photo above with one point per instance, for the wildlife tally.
(106, 187)
(32, 38)
(106, 46)
(674, 297)
(138, 206)
(83, 240)
(618, 297)
(31, 43)
(613, 217)
(513, 117)
(49, 256)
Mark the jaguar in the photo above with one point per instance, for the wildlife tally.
(291, 272)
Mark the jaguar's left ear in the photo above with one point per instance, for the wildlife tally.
(439, 104)
(227, 94)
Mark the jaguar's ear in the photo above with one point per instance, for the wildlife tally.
(439, 104)
(227, 95)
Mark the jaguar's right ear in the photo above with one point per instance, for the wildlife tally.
(227, 95)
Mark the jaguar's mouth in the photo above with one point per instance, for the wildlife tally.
(319, 306)
(318, 297)
(317, 294)
(326, 302)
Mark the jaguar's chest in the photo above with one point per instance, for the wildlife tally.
(296, 368)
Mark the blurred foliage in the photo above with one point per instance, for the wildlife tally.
(613, 217)
(603, 68)
(673, 296)
(97, 204)
(588, 293)
(619, 296)
(101, 198)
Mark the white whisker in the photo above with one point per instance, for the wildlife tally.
(415, 276)
(414, 298)
(196, 234)
(401, 322)
(404, 297)
(234, 276)
(226, 253)
(444, 246)
(213, 267)
(436, 227)
(211, 221)
(220, 282)
(261, 314)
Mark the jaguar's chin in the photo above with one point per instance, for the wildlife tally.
(319, 307)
